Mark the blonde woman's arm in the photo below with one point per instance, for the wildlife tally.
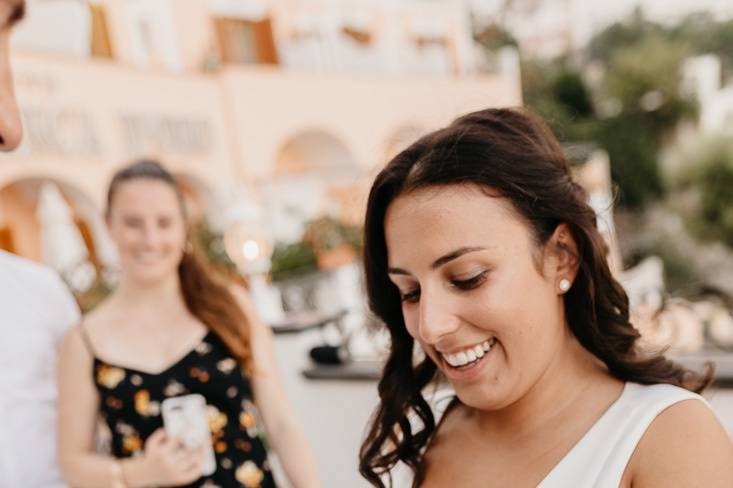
(283, 430)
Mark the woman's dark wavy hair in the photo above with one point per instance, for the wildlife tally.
(511, 152)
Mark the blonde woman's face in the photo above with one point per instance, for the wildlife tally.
(146, 223)
(474, 294)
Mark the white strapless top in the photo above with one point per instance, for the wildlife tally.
(600, 457)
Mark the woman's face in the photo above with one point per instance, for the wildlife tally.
(472, 294)
(146, 223)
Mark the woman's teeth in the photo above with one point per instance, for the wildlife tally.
(469, 355)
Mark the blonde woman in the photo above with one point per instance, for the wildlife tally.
(171, 329)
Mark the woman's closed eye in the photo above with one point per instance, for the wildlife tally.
(470, 283)
(133, 222)
(413, 296)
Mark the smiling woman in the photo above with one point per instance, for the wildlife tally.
(171, 329)
(481, 249)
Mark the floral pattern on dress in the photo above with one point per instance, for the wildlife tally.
(130, 407)
(109, 376)
(250, 475)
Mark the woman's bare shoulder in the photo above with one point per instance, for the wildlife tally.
(686, 445)
(106, 317)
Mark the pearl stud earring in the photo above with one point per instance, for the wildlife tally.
(564, 285)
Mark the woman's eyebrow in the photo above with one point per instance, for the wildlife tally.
(455, 255)
(441, 260)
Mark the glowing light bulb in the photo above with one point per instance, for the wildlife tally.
(250, 250)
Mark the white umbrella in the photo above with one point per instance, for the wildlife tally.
(63, 246)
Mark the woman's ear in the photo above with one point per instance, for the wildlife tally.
(564, 259)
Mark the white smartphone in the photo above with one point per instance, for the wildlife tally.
(184, 418)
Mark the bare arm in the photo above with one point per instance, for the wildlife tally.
(77, 403)
(685, 446)
(282, 427)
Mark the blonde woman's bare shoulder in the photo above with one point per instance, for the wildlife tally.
(103, 321)
(685, 446)
(100, 316)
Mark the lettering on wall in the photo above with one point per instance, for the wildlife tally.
(142, 133)
(66, 132)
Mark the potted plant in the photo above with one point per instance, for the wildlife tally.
(290, 260)
(335, 243)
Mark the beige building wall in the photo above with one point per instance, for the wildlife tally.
(269, 108)
(247, 124)
(83, 119)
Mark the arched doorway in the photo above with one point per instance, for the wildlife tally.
(56, 223)
(315, 173)
(20, 224)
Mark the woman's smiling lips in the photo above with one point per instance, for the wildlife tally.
(465, 363)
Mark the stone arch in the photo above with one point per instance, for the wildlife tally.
(20, 228)
(315, 152)
(314, 173)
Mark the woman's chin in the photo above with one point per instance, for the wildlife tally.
(150, 276)
(484, 397)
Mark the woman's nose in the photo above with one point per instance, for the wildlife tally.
(437, 317)
(11, 129)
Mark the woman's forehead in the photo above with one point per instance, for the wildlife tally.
(454, 205)
(144, 193)
(443, 218)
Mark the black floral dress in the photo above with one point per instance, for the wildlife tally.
(130, 407)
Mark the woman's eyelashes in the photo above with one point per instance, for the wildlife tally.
(470, 283)
(412, 296)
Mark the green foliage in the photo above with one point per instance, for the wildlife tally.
(549, 92)
(707, 168)
(211, 244)
(704, 35)
(715, 181)
(492, 36)
(97, 292)
(290, 260)
(636, 105)
(639, 101)
(631, 137)
(570, 91)
(644, 80)
(632, 146)
(326, 233)
(321, 235)
(646, 77)
(606, 43)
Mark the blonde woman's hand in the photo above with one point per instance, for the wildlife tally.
(167, 462)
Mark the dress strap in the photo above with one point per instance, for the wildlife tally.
(87, 340)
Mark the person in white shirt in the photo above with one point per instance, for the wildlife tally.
(36, 309)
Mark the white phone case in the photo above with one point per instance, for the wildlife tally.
(185, 418)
